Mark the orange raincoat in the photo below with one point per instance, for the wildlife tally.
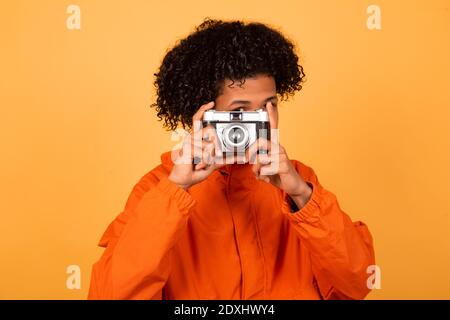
(231, 236)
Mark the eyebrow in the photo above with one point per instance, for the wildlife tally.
(248, 102)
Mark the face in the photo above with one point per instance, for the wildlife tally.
(252, 95)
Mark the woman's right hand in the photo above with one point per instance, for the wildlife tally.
(201, 145)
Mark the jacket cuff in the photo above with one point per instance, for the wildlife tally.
(310, 212)
(176, 194)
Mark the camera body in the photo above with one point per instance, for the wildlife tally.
(237, 130)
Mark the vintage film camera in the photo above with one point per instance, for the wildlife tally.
(237, 130)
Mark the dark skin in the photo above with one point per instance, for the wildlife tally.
(274, 167)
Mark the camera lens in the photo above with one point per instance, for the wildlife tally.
(236, 136)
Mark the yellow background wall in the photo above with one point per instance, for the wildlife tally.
(76, 131)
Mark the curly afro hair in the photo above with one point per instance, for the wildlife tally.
(193, 72)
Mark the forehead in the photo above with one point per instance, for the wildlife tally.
(260, 86)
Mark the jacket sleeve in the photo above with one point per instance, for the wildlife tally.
(136, 261)
(341, 250)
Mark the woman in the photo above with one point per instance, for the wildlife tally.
(230, 231)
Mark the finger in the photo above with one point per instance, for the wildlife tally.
(210, 139)
(261, 161)
(273, 115)
(206, 158)
(204, 153)
(198, 116)
(271, 165)
(272, 111)
(210, 135)
(198, 153)
(196, 150)
(267, 171)
(191, 151)
(263, 167)
(209, 169)
(259, 144)
(179, 157)
(200, 143)
(207, 133)
(200, 166)
(208, 153)
(264, 178)
(255, 168)
(264, 159)
(186, 153)
(206, 138)
(206, 162)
